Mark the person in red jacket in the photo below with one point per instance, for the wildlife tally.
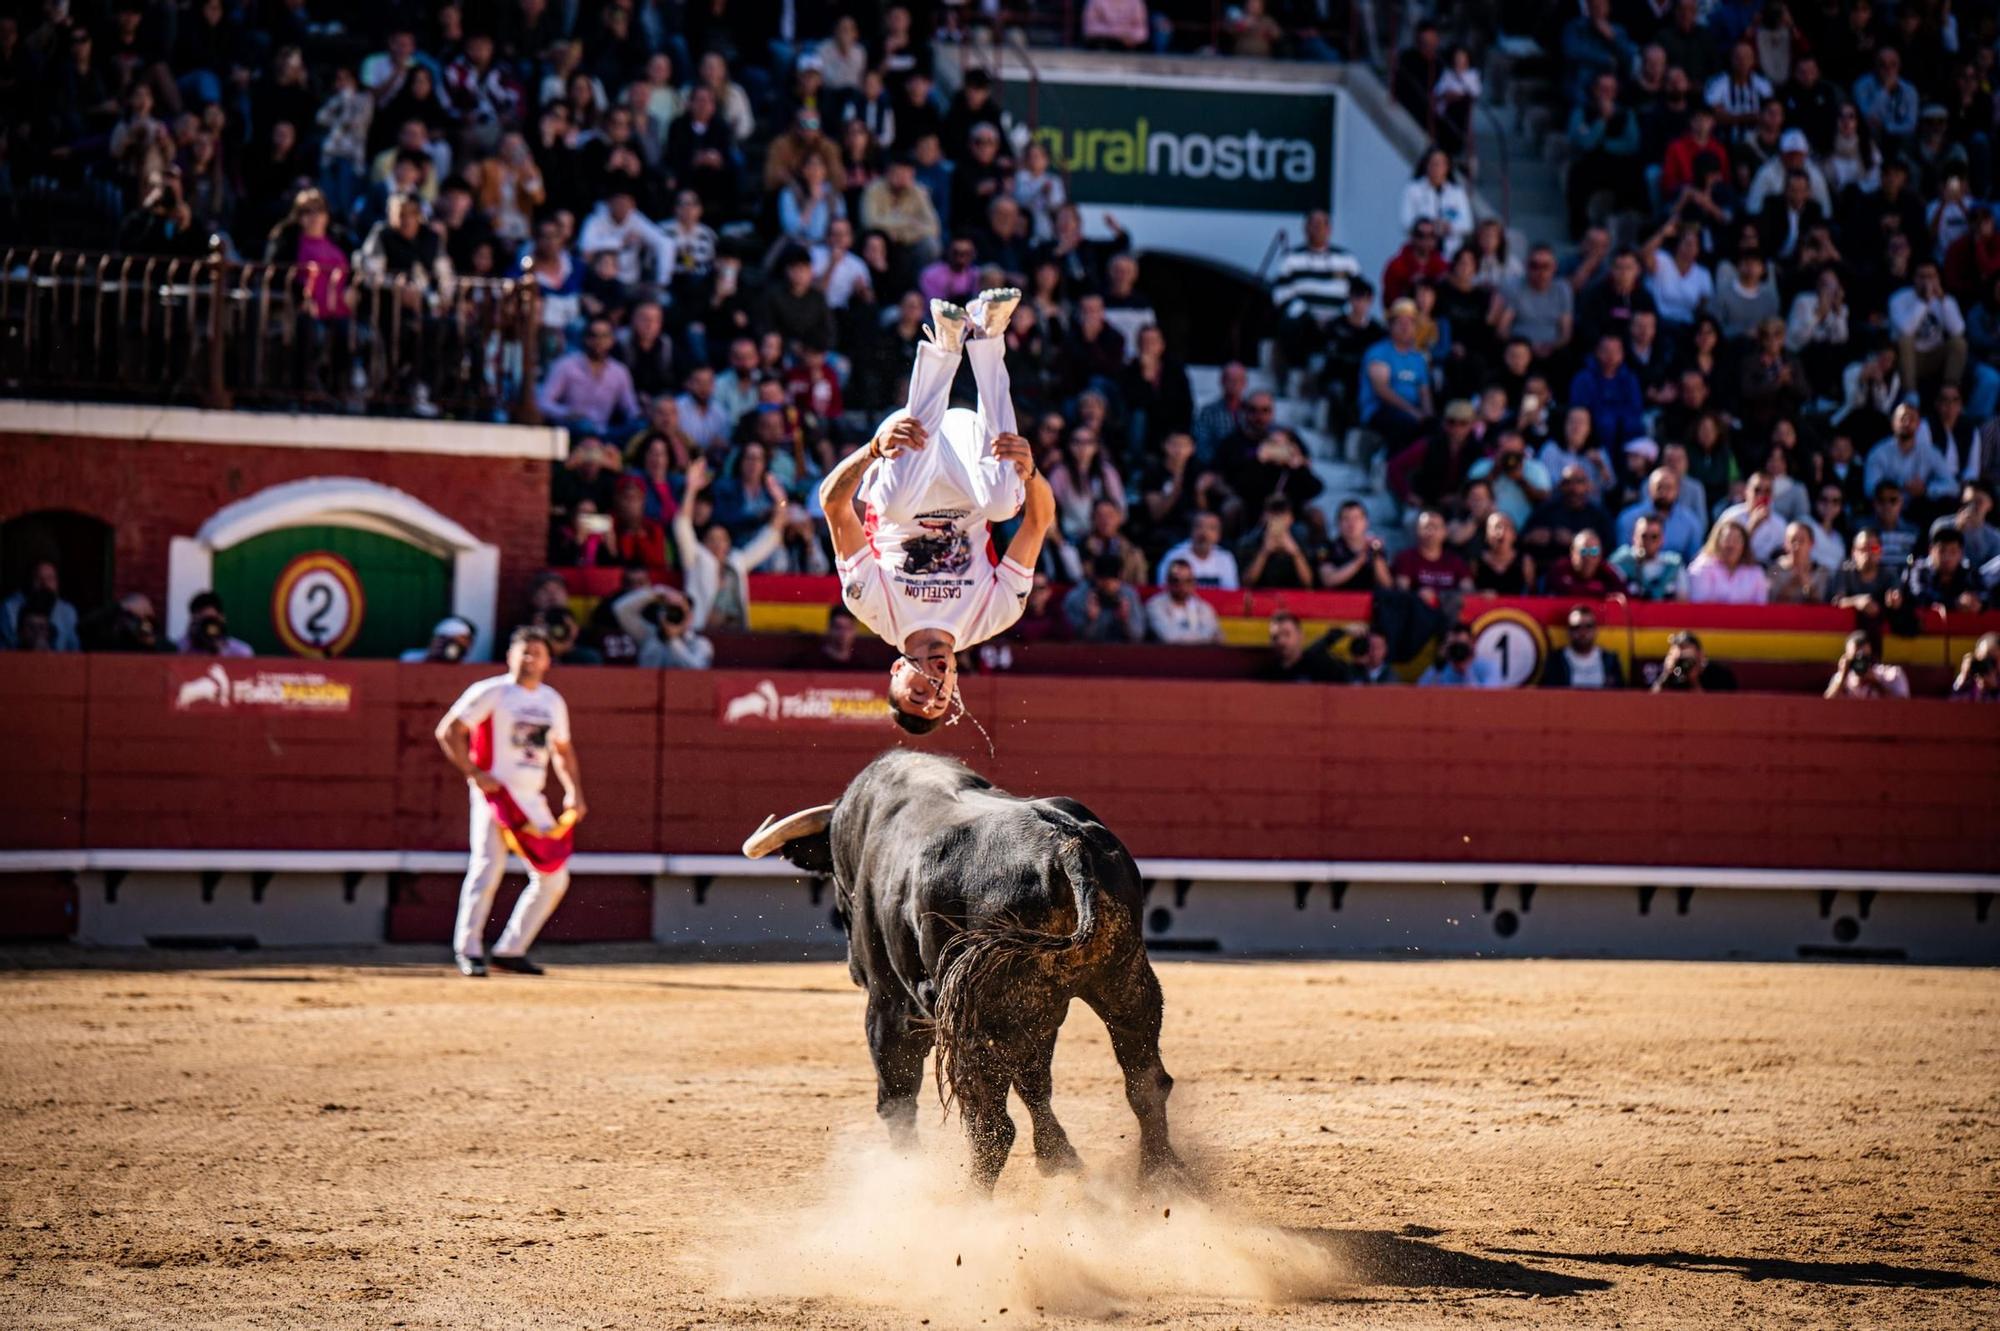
(1419, 257)
(1677, 168)
(640, 541)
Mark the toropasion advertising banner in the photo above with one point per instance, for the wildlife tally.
(1197, 144)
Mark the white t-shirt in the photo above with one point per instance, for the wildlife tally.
(1215, 569)
(942, 577)
(1585, 672)
(512, 728)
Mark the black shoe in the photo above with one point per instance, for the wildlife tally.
(518, 965)
(474, 966)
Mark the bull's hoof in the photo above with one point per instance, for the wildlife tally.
(1168, 1173)
(1062, 1160)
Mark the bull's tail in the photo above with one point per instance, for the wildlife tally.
(992, 969)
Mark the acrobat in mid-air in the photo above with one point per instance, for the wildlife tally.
(917, 562)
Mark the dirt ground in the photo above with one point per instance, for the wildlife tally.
(371, 1141)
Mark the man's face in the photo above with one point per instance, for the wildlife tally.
(1575, 487)
(1583, 630)
(1286, 638)
(47, 579)
(1625, 272)
(1665, 488)
(1650, 536)
(1180, 582)
(1257, 413)
(1105, 519)
(1586, 552)
(923, 679)
(1207, 533)
(597, 341)
(1235, 378)
(701, 383)
(1319, 227)
(1867, 549)
(961, 255)
(1946, 556)
(528, 661)
(1889, 507)
(1423, 239)
(1610, 354)
(1353, 524)
(1430, 531)
(1904, 423)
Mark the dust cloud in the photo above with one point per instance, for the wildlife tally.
(907, 1231)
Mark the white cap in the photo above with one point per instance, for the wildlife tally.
(452, 626)
(1644, 448)
(1793, 141)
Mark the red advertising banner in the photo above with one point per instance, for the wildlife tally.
(233, 686)
(768, 703)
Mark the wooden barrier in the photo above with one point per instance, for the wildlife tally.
(115, 752)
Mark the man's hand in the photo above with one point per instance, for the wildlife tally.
(1013, 448)
(697, 475)
(486, 782)
(574, 803)
(905, 434)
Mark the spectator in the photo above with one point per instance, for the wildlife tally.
(1355, 561)
(1759, 519)
(1500, 569)
(1292, 661)
(41, 596)
(1081, 476)
(1695, 156)
(1912, 465)
(1859, 675)
(1040, 191)
(451, 642)
(1797, 578)
(1745, 299)
(955, 277)
(1584, 572)
(1794, 158)
(1270, 555)
(1593, 45)
(1435, 196)
(1724, 572)
(1979, 672)
(208, 630)
(1395, 389)
(1650, 570)
(1348, 339)
(715, 573)
(1687, 669)
(1682, 531)
(1604, 143)
(1608, 306)
(1106, 537)
(1177, 615)
(1218, 420)
(1557, 520)
(1427, 568)
(1863, 582)
(704, 419)
(1310, 289)
(1371, 664)
(657, 618)
(1456, 666)
(1209, 564)
(1419, 260)
(1941, 578)
(635, 540)
(1886, 101)
(1105, 609)
(1582, 663)
(1929, 330)
(1898, 536)
(590, 389)
(1538, 308)
(1739, 93)
(1975, 506)
(1610, 393)
(1519, 482)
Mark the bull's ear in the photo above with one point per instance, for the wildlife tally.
(776, 832)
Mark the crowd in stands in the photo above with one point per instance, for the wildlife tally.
(1781, 388)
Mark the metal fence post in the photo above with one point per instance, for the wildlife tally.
(217, 395)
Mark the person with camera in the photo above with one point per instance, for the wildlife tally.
(565, 636)
(450, 642)
(502, 735)
(1688, 670)
(1860, 675)
(163, 223)
(1979, 672)
(41, 596)
(208, 630)
(660, 619)
(128, 625)
(1457, 666)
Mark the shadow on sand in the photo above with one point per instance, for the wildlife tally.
(1859, 1274)
(1404, 1261)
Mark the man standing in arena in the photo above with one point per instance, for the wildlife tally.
(501, 735)
(920, 570)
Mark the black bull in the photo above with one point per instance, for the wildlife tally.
(973, 918)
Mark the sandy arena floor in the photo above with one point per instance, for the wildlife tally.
(367, 1141)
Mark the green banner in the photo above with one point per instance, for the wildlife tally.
(1198, 147)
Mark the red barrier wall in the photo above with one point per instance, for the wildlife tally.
(1180, 768)
(152, 490)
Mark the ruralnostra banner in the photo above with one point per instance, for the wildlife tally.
(1151, 143)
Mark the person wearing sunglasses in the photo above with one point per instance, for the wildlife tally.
(918, 569)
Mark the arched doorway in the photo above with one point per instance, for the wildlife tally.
(79, 544)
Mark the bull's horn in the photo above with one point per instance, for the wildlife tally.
(773, 834)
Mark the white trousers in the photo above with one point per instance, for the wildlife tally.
(482, 880)
(956, 467)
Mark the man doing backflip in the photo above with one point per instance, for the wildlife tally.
(920, 568)
(501, 735)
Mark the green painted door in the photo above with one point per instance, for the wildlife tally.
(403, 591)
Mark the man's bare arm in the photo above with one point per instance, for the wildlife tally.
(570, 773)
(1038, 512)
(455, 738)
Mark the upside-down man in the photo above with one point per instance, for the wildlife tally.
(920, 569)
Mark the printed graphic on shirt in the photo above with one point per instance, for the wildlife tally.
(531, 738)
(943, 550)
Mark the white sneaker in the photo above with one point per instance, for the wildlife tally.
(420, 401)
(993, 309)
(947, 326)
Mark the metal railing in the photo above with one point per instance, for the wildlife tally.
(211, 332)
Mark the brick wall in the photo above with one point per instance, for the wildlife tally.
(151, 491)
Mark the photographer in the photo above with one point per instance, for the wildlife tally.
(208, 630)
(1456, 666)
(559, 622)
(1860, 675)
(657, 619)
(1979, 672)
(128, 626)
(1687, 670)
(450, 643)
(163, 223)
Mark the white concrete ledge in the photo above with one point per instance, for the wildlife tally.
(1211, 871)
(373, 434)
